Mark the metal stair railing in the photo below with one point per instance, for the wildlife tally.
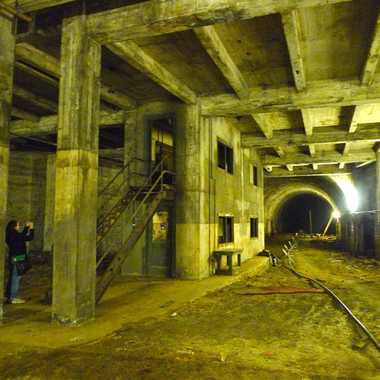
(145, 191)
(117, 260)
(126, 175)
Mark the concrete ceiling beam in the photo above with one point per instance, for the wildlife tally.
(291, 26)
(215, 48)
(24, 115)
(217, 51)
(321, 159)
(371, 63)
(36, 5)
(289, 138)
(50, 65)
(319, 94)
(48, 125)
(305, 172)
(36, 100)
(152, 18)
(133, 54)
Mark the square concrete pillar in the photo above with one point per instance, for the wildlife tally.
(74, 272)
(7, 49)
(49, 204)
(192, 194)
(377, 215)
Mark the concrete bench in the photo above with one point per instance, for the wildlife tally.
(229, 253)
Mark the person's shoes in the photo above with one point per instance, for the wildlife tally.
(17, 301)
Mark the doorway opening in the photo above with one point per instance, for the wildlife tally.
(159, 258)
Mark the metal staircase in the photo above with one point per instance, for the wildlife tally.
(130, 199)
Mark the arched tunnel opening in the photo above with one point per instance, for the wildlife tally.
(306, 213)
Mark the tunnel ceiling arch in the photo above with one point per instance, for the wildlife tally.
(277, 193)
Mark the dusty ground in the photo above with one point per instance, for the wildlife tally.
(227, 335)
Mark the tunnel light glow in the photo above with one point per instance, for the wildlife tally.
(335, 214)
(349, 190)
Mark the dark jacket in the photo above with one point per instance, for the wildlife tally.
(16, 241)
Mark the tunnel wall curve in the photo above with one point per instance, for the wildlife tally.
(278, 192)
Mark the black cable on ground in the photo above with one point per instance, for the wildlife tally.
(339, 301)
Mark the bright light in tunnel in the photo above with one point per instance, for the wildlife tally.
(349, 190)
(336, 214)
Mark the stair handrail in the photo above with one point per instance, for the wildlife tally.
(121, 171)
(109, 204)
(136, 211)
(146, 196)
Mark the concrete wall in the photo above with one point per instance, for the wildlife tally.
(210, 191)
(204, 191)
(27, 192)
(366, 183)
(137, 145)
(358, 230)
(233, 193)
(32, 191)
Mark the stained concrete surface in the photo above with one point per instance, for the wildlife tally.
(226, 335)
(128, 300)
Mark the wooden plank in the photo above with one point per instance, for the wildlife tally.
(305, 172)
(289, 138)
(373, 56)
(291, 25)
(138, 58)
(330, 93)
(215, 48)
(36, 5)
(48, 125)
(152, 18)
(325, 158)
(50, 65)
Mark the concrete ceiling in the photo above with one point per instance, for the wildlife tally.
(331, 48)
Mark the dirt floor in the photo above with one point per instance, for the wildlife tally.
(232, 334)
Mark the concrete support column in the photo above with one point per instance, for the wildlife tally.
(74, 274)
(7, 48)
(192, 198)
(49, 204)
(377, 217)
(130, 143)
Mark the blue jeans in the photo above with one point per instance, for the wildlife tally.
(13, 283)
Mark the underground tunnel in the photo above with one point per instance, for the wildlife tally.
(189, 189)
(306, 213)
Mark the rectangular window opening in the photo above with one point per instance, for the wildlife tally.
(225, 157)
(254, 222)
(226, 229)
(255, 175)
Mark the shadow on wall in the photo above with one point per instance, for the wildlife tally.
(279, 190)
